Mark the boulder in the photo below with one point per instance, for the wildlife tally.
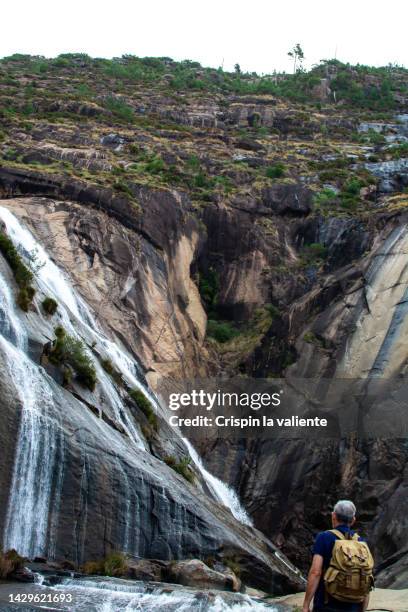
(150, 570)
(196, 573)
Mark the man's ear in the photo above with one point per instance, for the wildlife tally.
(353, 522)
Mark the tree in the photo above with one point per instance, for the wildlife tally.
(298, 56)
(237, 69)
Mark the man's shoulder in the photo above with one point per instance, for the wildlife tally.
(323, 541)
(330, 535)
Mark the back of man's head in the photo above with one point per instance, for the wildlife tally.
(345, 511)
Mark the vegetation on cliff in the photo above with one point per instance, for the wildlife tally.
(69, 351)
(253, 148)
(22, 274)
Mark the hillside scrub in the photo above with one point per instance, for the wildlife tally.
(22, 275)
(182, 467)
(50, 306)
(145, 406)
(69, 351)
(114, 564)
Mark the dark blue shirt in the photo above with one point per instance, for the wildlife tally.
(323, 546)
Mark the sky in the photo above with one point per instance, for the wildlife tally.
(257, 34)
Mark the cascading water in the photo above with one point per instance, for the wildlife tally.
(39, 444)
(222, 492)
(112, 595)
(78, 320)
(76, 317)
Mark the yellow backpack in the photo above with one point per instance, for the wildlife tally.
(350, 574)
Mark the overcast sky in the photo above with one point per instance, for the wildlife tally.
(255, 33)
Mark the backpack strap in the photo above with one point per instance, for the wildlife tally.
(341, 535)
(338, 534)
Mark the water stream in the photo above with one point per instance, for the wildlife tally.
(114, 595)
(32, 517)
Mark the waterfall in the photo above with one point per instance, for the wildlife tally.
(35, 493)
(37, 464)
(39, 442)
(222, 492)
(76, 317)
(113, 594)
(10, 324)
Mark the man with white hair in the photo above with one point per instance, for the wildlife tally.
(330, 549)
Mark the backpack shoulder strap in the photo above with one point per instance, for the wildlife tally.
(338, 533)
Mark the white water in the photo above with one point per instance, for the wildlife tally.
(38, 442)
(76, 316)
(35, 466)
(36, 451)
(115, 595)
(225, 494)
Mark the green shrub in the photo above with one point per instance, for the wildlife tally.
(352, 187)
(49, 305)
(70, 351)
(120, 109)
(376, 138)
(399, 151)
(23, 276)
(121, 186)
(182, 467)
(114, 564)
(273, 310)
(10, 154)
(145, 406)
(208, 287)
(314, 253)
(325, 198)
(275, 171)
(221, 331)
(112, 371)
(309, 337)
(155, 165)
(25, 297)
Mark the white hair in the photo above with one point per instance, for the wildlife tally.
(345, 510)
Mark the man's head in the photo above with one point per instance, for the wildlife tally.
(344, 513)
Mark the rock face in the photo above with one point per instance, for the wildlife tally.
(284, 224)
(349, 326)
(100, 488)
(140, 284)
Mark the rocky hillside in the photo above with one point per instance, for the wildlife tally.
(231, 223)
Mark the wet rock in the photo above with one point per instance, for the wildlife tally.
(22, 575)
(195, 573)
(146, 569)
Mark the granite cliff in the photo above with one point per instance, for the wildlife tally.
(213, 224)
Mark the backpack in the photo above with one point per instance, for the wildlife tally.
(349, 576)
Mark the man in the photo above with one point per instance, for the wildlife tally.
(343, 518)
